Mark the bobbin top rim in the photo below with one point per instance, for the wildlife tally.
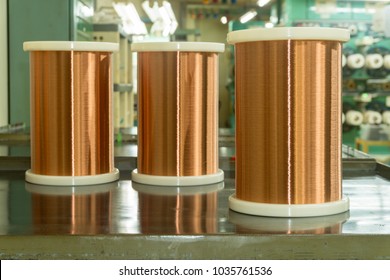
(288, 33)
(177, 46)
(70, 46)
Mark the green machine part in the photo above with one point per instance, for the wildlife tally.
(39, 20)
(325, 11)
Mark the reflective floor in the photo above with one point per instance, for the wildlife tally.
(126, 207)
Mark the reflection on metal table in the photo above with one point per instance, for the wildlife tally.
(125, 220)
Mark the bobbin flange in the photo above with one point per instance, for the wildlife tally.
(288, 33)
(286, 224)
(177, 190)
(177, 180)
(177, 47)
(70, 46)
(72, 180)
(288, 210)
(70, 190)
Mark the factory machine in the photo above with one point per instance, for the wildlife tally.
(366, 88)
(125, 220)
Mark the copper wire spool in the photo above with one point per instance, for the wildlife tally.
(71, 113)
(71, 210)
(177, 113)
(180, 210)
(288, 121)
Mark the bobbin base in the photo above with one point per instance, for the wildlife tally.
(177, 180)
(288, 210)
(71, 180)
(177, 190)
(71, 190)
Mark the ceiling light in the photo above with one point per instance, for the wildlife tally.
(248, 16)
(262, 3)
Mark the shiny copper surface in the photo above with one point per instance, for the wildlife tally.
(288, 118)
(178, 117)
(71, 113)
(180, 214)
(71, 214)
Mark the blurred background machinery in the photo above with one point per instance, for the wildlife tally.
(366, 57)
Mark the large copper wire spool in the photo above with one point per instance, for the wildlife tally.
(177, 113)
(180, 210)
(71, 113)
(288, 121)
(71, 210)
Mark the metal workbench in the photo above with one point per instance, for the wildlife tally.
(123, 220)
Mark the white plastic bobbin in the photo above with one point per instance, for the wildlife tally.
(354, 118)
(288, 210)
(177, 180)
(374, 61)
(288, 33)
(287, 224)
(386, 61)
(356, 61)
(353, 29)
(177, 47)
(386, 117)
(342, 118)
(372, 117)
(343, 60)
(73, 190)
(72, 180)
(70, 46)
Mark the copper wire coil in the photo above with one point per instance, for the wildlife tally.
(288, 117)
(71, 214)
(178, 113)
(178, 214)
(71, 113)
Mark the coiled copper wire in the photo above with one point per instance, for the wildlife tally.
(288, 116)
(71, 113)
(178, 116)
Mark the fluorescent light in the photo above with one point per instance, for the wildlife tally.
(224, 20)
(248, 16)
(262, 3)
